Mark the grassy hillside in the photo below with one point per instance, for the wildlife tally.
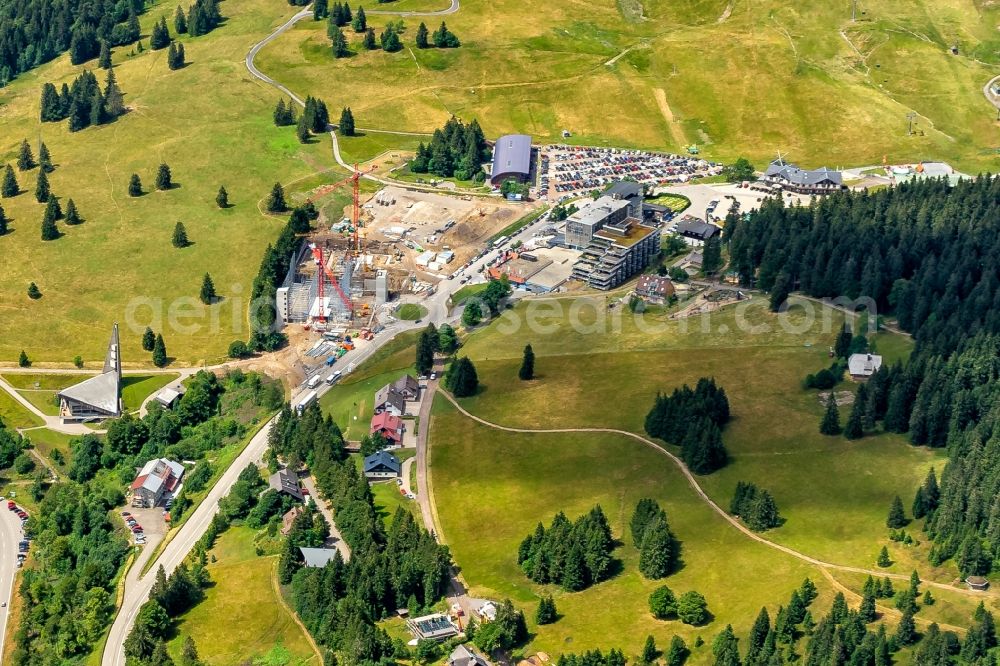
(734, 77)
(212, 124)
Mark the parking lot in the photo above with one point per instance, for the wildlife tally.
(702, 196)
(574, 170)
(150, 520)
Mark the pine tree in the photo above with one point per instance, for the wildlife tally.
(763, 512)
(49, 229)
(222, 198)
(25, 158)
(462, 379)
(677, 652)
(896, 518)
(159, 38)
(884, 561)
(527, 371)
(189, 652)
(546, 613)
(831, 418)
(360, 22)
(23, 361)
(390, 40)
(276, 201)
(180, 237)
(207, 294)
(114, 99)
(134, 186)
(711, 258)
(867, 609)
(369, 41)
(649, 651)
(104, 60)
(148, 339)
(53, 211)
(422, 36)
(45, 159)
(42, 190)
(346, 124)
(159, 352)
(854, 428)
(180, 21)
(3, 222)
(175, 56)
(320, 9)
(779, 292)
(658, 553)
(10, 187)
(163, 177)
(339, 43)
(34, 293)
(302, 131)
(906, 632)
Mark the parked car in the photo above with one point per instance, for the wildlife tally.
(410, 496)
(399, 482)
(126, 513)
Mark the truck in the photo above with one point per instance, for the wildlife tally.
(332, 379)
(308, 400)
(313, 381)
(330, 360)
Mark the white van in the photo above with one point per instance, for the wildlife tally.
(332, 379)
(314, 381)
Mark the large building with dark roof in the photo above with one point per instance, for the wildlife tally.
(98, 397)
(803, 181)
(511, 159)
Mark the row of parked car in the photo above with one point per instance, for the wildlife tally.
(133, 524)
(24, 544)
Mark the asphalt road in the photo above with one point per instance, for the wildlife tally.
(10, 535)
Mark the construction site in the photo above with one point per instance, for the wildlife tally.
(395, 242)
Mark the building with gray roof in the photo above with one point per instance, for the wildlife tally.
(584, 223)
(382, 465)
(803, 181)
(317, 557)
(97, 397)
(286, 482)
(157, 478)
(511, 159)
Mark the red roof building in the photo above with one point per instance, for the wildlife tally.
(389, 426)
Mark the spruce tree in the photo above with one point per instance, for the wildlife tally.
(207, 294)
(163, 177)
(854, 428)
(159, 38)
(527, 370)
(320, 9)
(390, 40)
(114, 99)
(896, 518)
(44, 158)
(276, 200)
(159, 352)
(346, 124)
(134, 186)
(758, 636)
(189, 651)
(677, 652)
(10, 187)
(906, 632)
(658, 553)
(222, 198)
(546, 613)
(148, 339)
(104, 60)
(867, 609)
(34, 293)
(360, 22)
(763, 512)
(649, 651)
(422, 36)
(49, 229)
(302, 131)
(884, 562)
(339, 44)
(779, 292)
(180, 238)
(42, 190)
(462, 379)
(3, 222)
(23, 361)
(180, 21)
(369, 41)
(711, 260)
(175, 56)
(25, 158)
(830, 425)
(53, 211)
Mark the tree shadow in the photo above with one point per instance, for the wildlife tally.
(172, 186)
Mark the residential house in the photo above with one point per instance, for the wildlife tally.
(288, 519)
(465, 656)
(863, 366)
(157, 478)
(382, 465)
(286, 482)
(392, 398)
(487, 612)
(389, 426)
(977, 583)
(435, 627)
(169, 396)
(654, 289)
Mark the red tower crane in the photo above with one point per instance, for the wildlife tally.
(324, 272)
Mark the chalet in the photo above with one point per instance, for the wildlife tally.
(382, 465)
(487, 612)
(802, 181)
(170, 396)
(392, 398)
(464, 656)
(436, 627)
(389, 426)
(286, 482)
(977, 583)
(863, 366)
(317, 557)
(157, 478)
(654, 289)
(288, 519)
